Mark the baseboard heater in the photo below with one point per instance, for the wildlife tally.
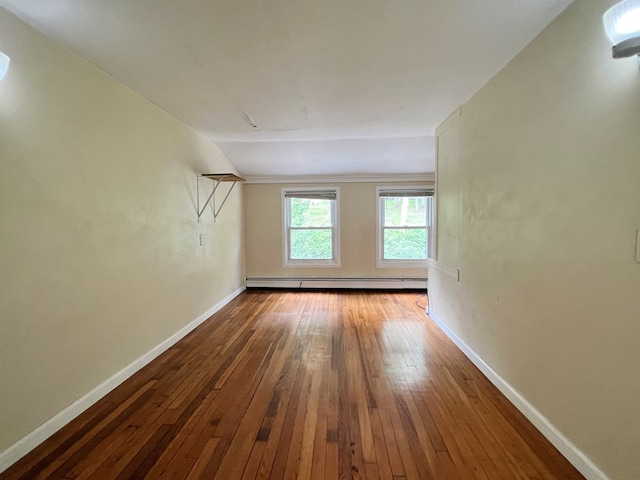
(411, 283)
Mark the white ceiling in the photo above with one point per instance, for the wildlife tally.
(333, 86)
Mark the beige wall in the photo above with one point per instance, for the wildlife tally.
(263, 228)
(99, 252)
(449, 203)
(549, 291)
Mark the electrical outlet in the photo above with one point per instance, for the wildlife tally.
(201, 239)
(638, 246)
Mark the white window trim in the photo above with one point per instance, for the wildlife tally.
(330, 263)
(380, 261)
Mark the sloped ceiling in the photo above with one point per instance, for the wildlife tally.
(301, 87)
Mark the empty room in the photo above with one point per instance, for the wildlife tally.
(277, 239)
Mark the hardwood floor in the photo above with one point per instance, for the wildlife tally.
(318, 385)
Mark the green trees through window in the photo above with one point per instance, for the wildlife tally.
(405, 244)
(404, 226)
(311, 232)
(311, 226)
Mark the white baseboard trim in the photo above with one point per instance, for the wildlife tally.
(572, 453)
(336, 282)
(23, 446)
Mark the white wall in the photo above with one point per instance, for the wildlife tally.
(549, 290)
(99, 252)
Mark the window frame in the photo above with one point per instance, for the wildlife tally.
(381, 262)
(288, 262)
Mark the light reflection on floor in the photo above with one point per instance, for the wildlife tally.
(404, 348)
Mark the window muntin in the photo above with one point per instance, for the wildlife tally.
(404, 224)
(311, 227)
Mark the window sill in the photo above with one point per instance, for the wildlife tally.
(401, 264)
(311, 264)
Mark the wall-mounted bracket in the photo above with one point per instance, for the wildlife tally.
(217, 179)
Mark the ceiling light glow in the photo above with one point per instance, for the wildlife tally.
(4, 65)
(622, 24)
(629, 22)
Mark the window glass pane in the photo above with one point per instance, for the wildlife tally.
(405, 211)
(405, 244)
(307, 212)
(311, 244)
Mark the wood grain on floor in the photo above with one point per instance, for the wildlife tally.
(304, 385)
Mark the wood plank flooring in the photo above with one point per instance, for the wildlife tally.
(304, 385)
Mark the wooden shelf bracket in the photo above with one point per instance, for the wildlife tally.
(217, 179)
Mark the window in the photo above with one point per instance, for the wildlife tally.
(311, 236)
(404, 226)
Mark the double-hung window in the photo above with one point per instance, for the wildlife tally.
(311, 226)
(404, 226)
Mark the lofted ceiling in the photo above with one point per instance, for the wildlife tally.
(301, 87)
